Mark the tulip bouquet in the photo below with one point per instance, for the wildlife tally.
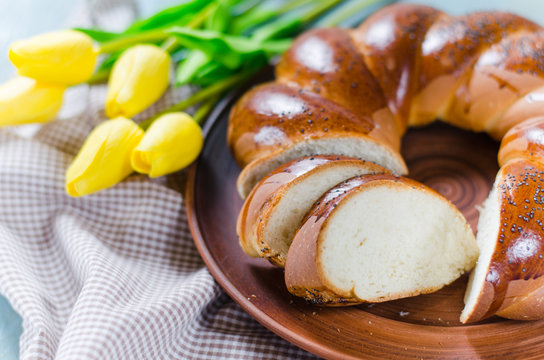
(214, 44)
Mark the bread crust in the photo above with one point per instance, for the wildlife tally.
(523, 141)
(326, 62)
(386, 56)
(527, 107)
(452, 47)
(264, 197)
(514, 278)
(304, 275)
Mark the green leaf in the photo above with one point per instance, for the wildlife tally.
(244, 6)
(251, 19)
(187, 69)
(175, 15)
(212, 73)
(197, 60)
(220, 18)
(99, 35)
(231, 51)
(265, 12)
(283, 27)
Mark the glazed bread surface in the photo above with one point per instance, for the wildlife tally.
(508, 278)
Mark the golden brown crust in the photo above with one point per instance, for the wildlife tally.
(529, 106)
(503, 74)
(274, 116)
(516, 269)
(326, 62)
(527, 305)
(523, 141)
(453, 44)
(450, 49)
(390, 41)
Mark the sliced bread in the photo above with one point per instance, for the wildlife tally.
(376, 238)
(275, 208)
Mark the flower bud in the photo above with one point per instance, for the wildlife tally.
(104, 158)
(64, 57)
(24, 100)
(138, 78)
(172, 142)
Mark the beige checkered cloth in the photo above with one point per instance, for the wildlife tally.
(114, 275)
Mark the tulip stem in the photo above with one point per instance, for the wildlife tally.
(204, 94)
(170, 44)
(141, 37)
(204, 109)
(99, 76)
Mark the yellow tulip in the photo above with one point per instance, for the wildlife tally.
(172, 142)
(62, 57)
(138, 78)
(104, 158)
(24, 100)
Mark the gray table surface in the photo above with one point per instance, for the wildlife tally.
(24, 18)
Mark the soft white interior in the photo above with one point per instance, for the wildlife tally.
(488, 229)
(287, 215)
(359, 147)
(391, 241)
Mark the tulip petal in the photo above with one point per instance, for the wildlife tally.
(138, 79)
(24, 100)
(104, 158)
(172, 142)
(141, 161)
(64, 57)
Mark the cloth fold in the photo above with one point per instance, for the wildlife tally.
(114, 275)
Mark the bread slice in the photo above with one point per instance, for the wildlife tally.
(508, 280)
(357, 146)
(275, 208)
(376, 238)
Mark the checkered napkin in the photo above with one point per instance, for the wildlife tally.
(114, 275)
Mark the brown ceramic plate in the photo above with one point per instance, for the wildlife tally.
(459, 164)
